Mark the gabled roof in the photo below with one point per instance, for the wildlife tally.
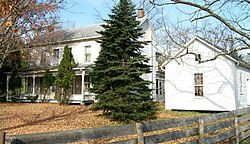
(87, 32)
(74, 34)
(232, 57)
(82, 32)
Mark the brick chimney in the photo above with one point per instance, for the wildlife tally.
(140, 13)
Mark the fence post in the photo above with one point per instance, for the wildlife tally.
(139, 130)
(236, 127)
(2, 137)
(200, 129)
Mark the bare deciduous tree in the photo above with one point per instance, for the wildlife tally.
(21, 21)
(231, 30)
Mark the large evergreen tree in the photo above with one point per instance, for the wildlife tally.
(121, 92)
(65, 76)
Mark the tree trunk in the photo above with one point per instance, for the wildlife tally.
(62, 95)
(45, 93)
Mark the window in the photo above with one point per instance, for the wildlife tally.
(55, 56)
(198, 84)
(43, 57)
(30, 85)
(78, 85)
(87, 54)
(39, 85)
(157, 87)
(198, 57)
(24, 88)
(54, 86)
(160, 89)
(86, 83)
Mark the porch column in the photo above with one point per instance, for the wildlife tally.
(34, 84)
(7, 88)
(83, 87)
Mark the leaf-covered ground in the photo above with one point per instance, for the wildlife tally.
(26, 118)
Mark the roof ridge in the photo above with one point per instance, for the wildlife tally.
(82, 27)
(99, 24)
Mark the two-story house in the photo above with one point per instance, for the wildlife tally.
(85, 49)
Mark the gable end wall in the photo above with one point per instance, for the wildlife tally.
(218, 82)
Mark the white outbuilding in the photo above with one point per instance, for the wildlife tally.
(222, 84)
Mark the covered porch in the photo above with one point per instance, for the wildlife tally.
(32, 85)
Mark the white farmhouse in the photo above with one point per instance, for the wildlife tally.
(85, 49)
(219, 85)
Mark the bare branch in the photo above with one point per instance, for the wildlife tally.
(209, 11)
(232, 33)
(199, 18)
(23, 20)
(212, 13)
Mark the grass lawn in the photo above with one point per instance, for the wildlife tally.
(26, 118)
(246, 141)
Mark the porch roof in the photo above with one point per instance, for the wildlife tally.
(53, 69)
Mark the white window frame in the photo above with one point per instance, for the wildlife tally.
(56, 59)
(198, 85)
(87, 53)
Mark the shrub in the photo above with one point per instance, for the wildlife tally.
(65, 76)
(14, 99)
(32, 98)
(2, 97)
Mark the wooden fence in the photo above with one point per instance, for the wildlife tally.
(231, 126)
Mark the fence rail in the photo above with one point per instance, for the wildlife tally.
(234, 126)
